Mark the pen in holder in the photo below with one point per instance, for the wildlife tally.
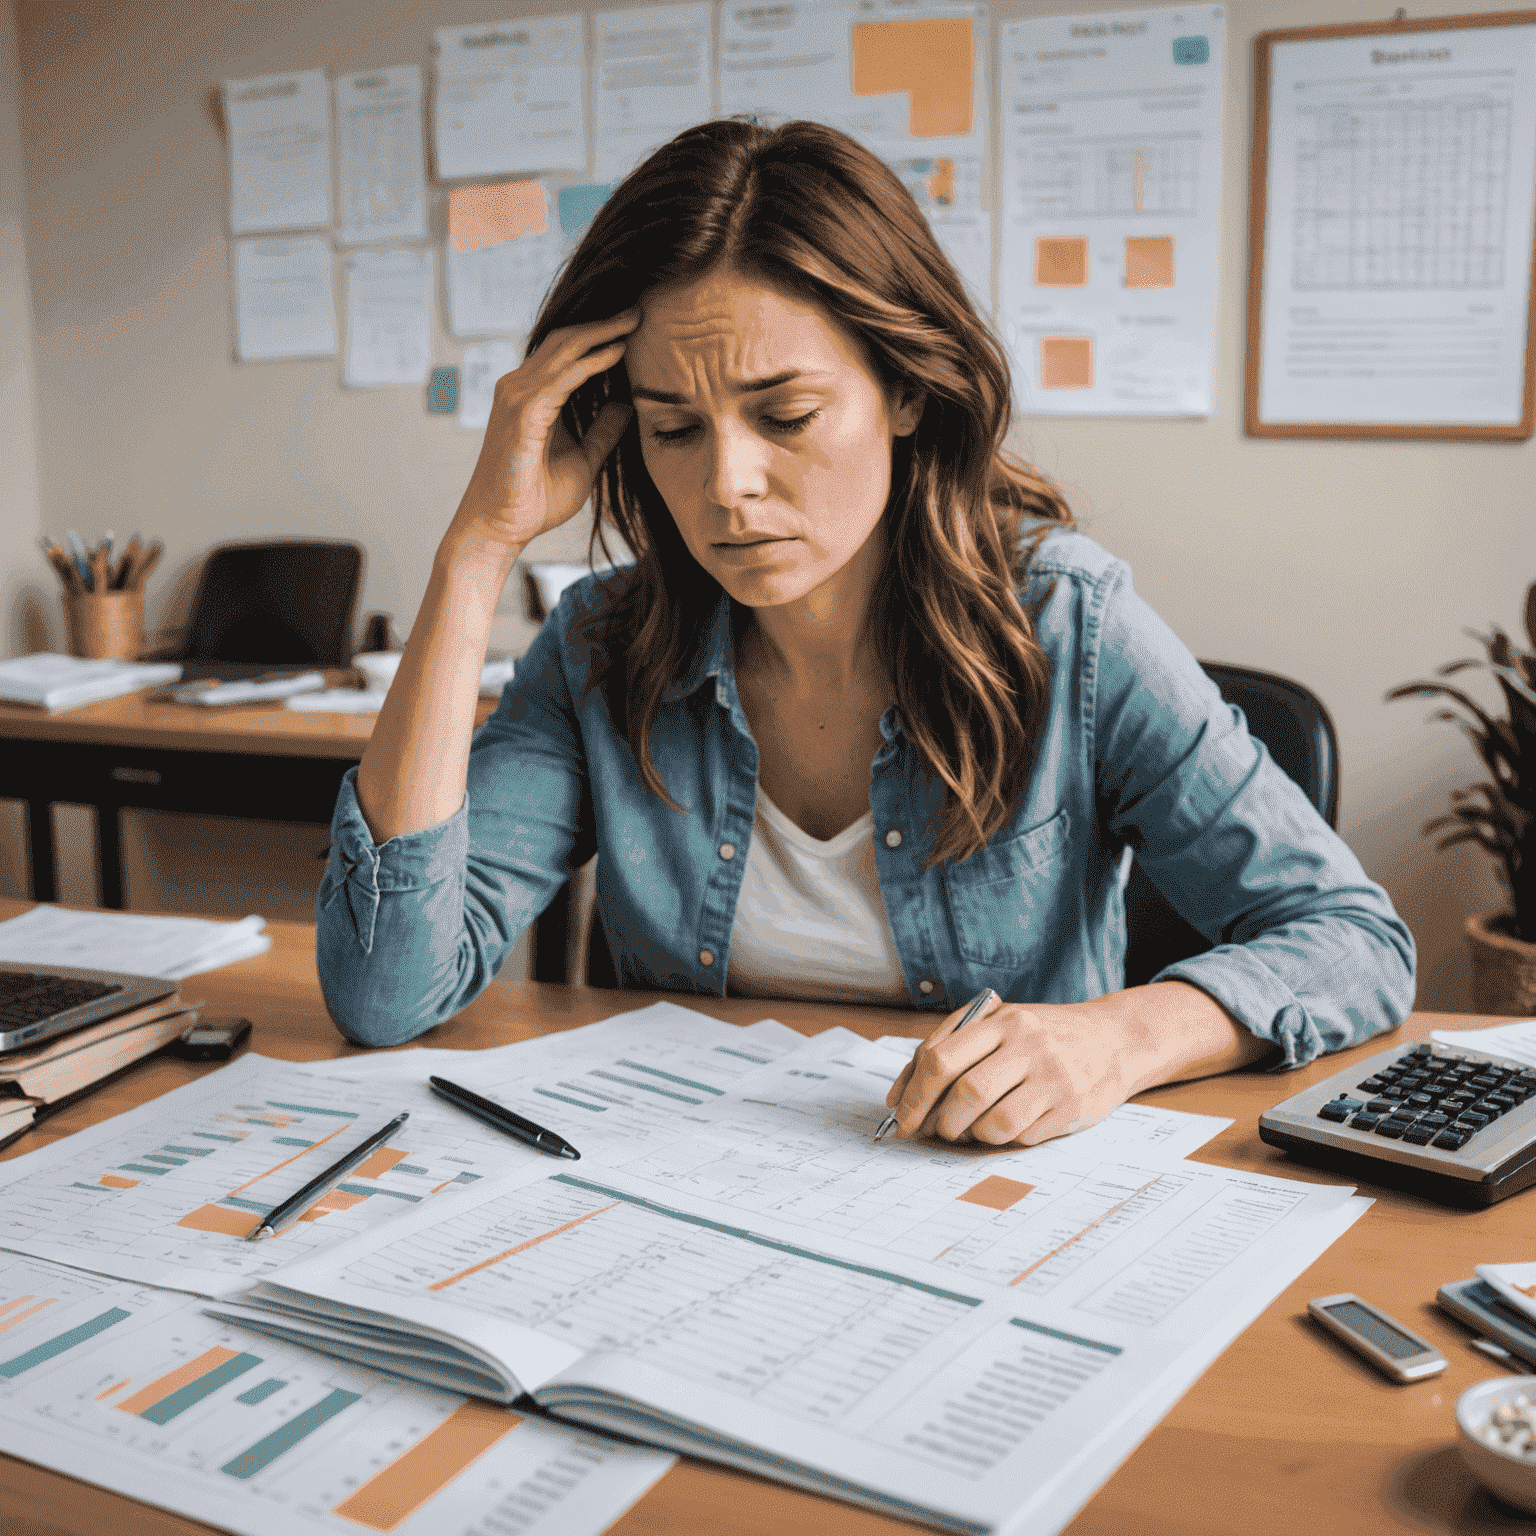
(103, 599)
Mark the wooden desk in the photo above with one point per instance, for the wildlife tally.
(1285, 1432)
(261, 762)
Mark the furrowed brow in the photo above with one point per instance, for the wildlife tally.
(751, 387)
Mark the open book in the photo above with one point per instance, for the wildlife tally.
(970, 1339)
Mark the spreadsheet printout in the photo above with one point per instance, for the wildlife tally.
(1111, 221)
(1398, 229)
(136, 1390)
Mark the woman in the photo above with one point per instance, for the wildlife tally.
(867, 721)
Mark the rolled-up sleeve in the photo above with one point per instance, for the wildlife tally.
(1308, 952)
(410, 931)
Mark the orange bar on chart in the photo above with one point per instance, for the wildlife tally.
(1149, 261)
(10, 1306)
(1066, 362)
(112, 1181)
(116, 1386)
(1061, 261)
(393, 1495)
(379, 1164)
(156, 1391)
(996, 1193)
(214, 1218)
(932, 60)
(21, 1317)
(336, 1200)
(506, 1253)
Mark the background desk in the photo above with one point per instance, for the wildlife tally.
(263, 762)
(1286, 1432)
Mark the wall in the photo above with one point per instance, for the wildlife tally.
(1351, 566)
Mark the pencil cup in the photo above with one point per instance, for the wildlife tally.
(105, 624)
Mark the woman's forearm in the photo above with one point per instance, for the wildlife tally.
(1175, 1032)
(413, 773)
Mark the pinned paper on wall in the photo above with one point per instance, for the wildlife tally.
(285, 303)
(929, 59)
(497, 291)
(484, 363)
(279, 152)
(489, 213)
(650, 80)
(389, 317)
(380, 160)
(511, 96)
(578, 207)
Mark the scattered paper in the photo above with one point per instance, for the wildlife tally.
(389, 317)
(484, 363)
(339, 701)
(651, 79)
(381, 172)
(136, 943)
(511, 96)
(487, 213)
(1111, 159)
(285, 299)
(279, 152)
(1516, 1040)
(1397, 232)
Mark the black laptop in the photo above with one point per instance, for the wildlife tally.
(38, 1002)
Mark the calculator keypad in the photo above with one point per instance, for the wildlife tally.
(1425, 1099)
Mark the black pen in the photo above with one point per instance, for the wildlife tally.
(296, 1205)
(502, 1119)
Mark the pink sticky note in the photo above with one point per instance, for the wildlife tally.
(486, 215)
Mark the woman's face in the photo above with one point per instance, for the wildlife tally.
(766, 431)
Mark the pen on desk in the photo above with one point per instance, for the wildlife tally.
(977, 1005)
(295, 1205)
(502, 1118)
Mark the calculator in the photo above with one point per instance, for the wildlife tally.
(1458, 1127)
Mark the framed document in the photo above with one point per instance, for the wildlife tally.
(1392, 224)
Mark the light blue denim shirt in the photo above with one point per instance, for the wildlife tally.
(1139, 749)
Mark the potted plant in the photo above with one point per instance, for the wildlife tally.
(1499, 814)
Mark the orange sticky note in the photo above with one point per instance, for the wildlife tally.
(494, 212)
(1149, 261)
(1066, 362)
(931, 60)
(1061, 262)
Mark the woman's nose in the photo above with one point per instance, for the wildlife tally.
(738, 468)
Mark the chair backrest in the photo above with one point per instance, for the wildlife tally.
(283, 603)
(1291, 721)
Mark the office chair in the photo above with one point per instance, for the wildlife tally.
(1289, 719)
(274, 603)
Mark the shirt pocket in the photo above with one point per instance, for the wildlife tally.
(999, 898)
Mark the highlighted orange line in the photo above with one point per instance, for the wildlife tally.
(112, 1181)
(147, 1397)
(533, 1242)
(1084, 1233)
(12, 1305)
(215, 1218)
(436, 1187)
(396, 1493)
(115, 1387)
(21, 1317)
(296, 1156)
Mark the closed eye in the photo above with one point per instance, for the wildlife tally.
(777, 424)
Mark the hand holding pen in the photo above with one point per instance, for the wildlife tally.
(973, 1010)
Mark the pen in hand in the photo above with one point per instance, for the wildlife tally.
(977, 1005)
(500, 1118)
(295, 1205)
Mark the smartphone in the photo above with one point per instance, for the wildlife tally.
(1391, 1348)
(212, 1039)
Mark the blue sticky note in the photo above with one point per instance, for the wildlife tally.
(443, 391)
(1191, 50)
(579, 205)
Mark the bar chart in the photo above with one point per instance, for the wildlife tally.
(136, 1389)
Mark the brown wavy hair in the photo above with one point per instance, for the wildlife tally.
(807, 210)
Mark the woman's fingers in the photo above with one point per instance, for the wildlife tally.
(561, 348)
(940, 1061)
(603, 435)
(893, 1098)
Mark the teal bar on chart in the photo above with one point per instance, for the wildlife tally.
(261, 1455)
(262, 1391)
(60, 1342)
(195, 1391)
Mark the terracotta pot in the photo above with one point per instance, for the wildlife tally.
(1503, 968)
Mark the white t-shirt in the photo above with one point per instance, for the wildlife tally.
(810, 920)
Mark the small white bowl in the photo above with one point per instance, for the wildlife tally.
(1511, 1476)
(379, 667)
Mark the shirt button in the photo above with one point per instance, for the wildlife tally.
(705, 958)
(727, 850)
(893, 838)
(925, 987)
